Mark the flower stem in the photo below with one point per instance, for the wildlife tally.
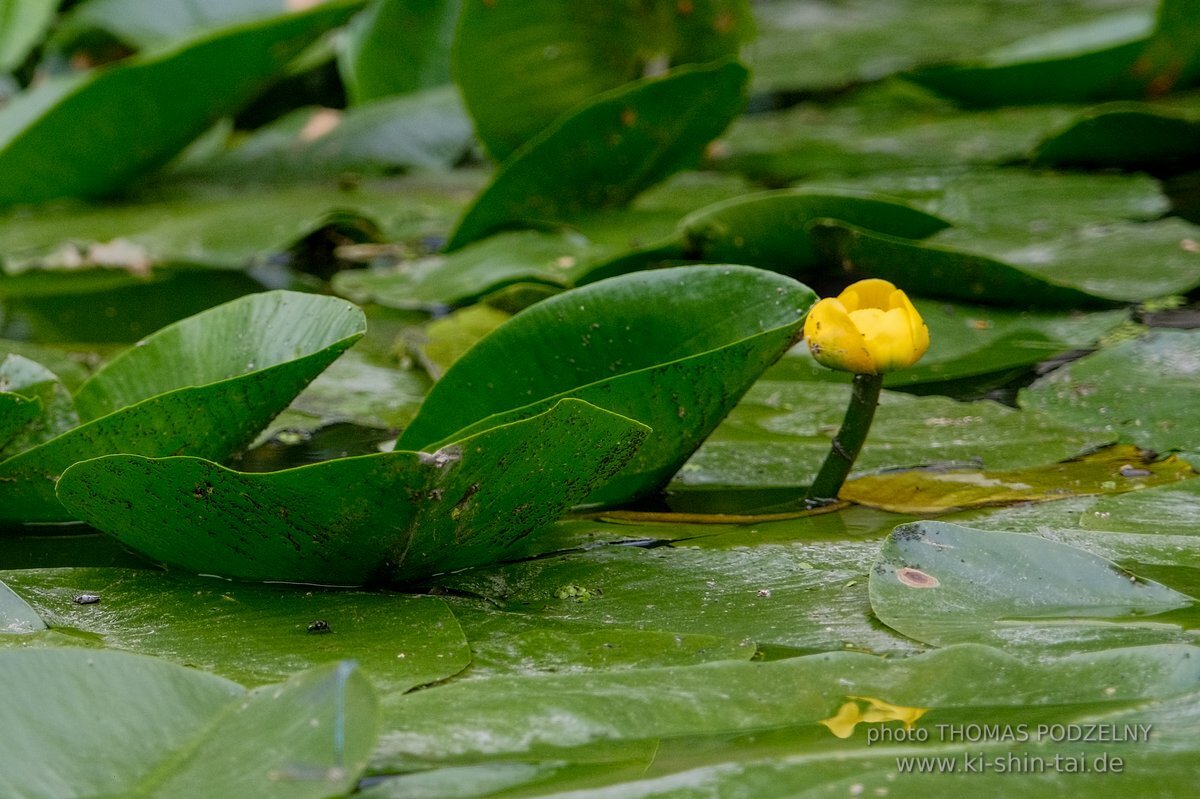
(848, 441)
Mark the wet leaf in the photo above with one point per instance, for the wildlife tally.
(16, 616)
(240, 363)
(1141, 391)
(400, 515)
(86, 722)
(45, 153)
(248, 633)
(779, 435)
(566, 55)
(944, 584)
(605, 153)
(1110, 471)
(609, 343)
(398, 46)
(727, 711)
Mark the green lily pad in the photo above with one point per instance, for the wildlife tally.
(673, 348)
(770, 229)
(429, 130)
(1089, 62)
(396, 46)
(1123, 136)
(143, 24)
(779, 435)
(22, 23)
(45, 153)
(605, 153)
(1110, 471)
(16, 616)
(788, 594)
(16, 411)
(722, 710)
(223, 227)
(56, 411)
(944, 584)
(1047, 276)
(251, 634)
(1168, 510)
(566, 55)
(1141, 391)
(392, 516)
(240, 363)
(92, 723)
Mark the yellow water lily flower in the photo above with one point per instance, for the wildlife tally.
(870, 328)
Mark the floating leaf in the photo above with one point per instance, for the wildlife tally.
(16, 616)
(45, 153)
(1110, 471)
(205, 385)
(944, 584)
(82, 722)
(770, 229)
(398, 46)
(1123, 136)
(252, 634)
(738, 704)
(398, 515)
(22, 23)
(1089, 62)
(1142, 391)
(779, 435)
(55, 409)
(605, 153)
(568, 54)
(673, 348)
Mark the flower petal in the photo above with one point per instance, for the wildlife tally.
(888, 337)
(920, 331)
(834, 340)
(870, 293)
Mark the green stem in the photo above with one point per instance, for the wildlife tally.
(848, 441)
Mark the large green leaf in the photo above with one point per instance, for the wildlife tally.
(82, 722)
(553, 717)
(204, 386)
(399, 515)
(605, 153)
(398, 46)
(943, 584)
(673, 348)
(16, 411)
(770, 229)
(251, 634)
(22, 23)
(1088, 62)
(148, 23)
(564, 54)
(1141, 391)
(45, 152)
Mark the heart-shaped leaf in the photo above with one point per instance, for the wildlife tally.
(85, 722)
(204, 386)
(566, 54)
(605, 153)
(45, 153)
(673, 348)
(398, 515)
(945, 584)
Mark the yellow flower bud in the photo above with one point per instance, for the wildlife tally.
(870, 328)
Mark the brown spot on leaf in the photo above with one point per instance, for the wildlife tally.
(915, 578)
